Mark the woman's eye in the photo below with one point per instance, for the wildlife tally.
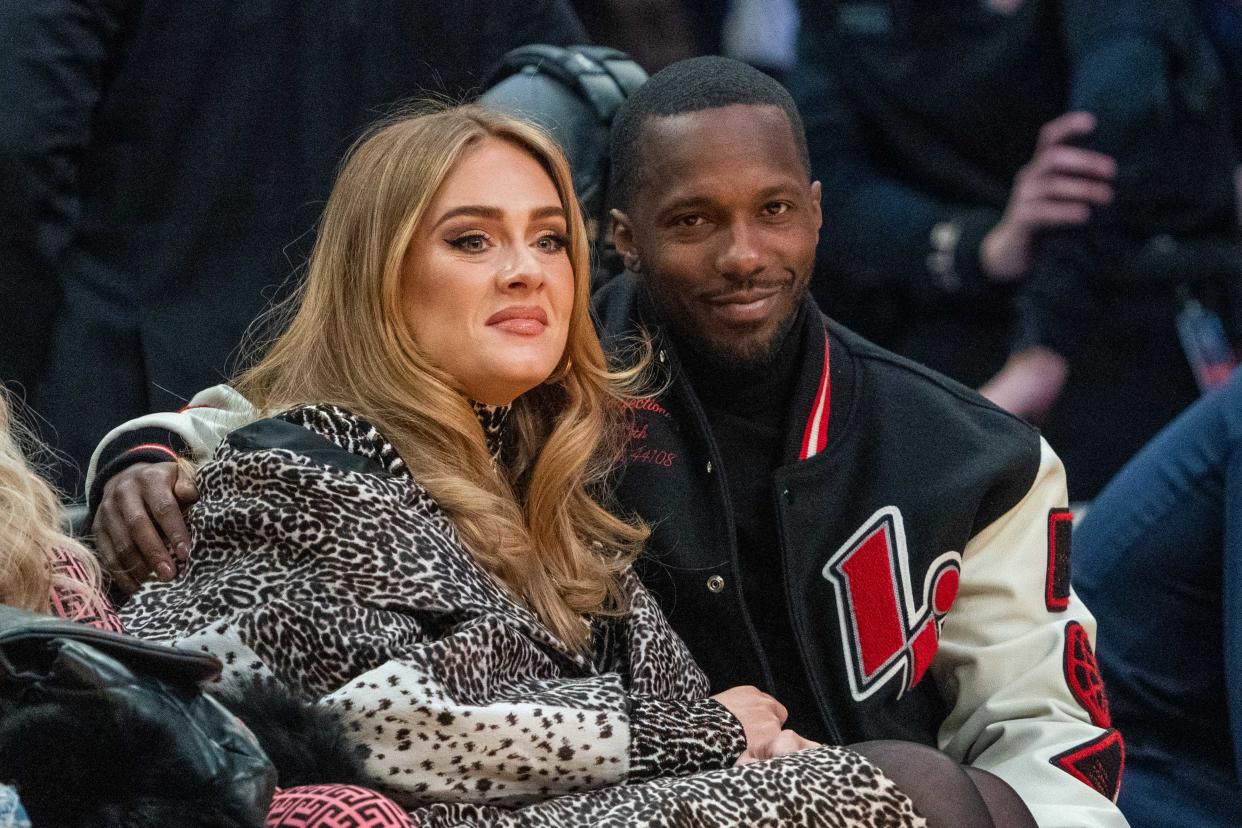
(552, 243)
(775, 208)
(470, 243)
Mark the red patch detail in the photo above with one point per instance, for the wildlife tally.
(924, 647)
(889, 628)
(944, 593)
(1057, 583)
(185, 408)
(1099, 763)
(873, 595)
(155, 447)
(1082, 674)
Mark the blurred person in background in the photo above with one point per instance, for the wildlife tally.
(164, 164)
(994, 173)
(763, 33)
(1158, 557)
(655, 32)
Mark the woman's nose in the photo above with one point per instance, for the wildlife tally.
(522, 269)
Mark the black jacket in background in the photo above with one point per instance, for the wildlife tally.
(164, 164)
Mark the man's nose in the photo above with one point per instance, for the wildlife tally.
(741, 257)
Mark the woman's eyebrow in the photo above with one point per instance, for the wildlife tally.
(551, 211)
(496, 214)
(473, 210)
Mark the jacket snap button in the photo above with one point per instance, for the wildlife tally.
(715, 583)
(709, 466)
(660, 356)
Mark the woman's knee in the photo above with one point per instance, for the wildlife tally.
(940, 788)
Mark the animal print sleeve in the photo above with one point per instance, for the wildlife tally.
(675, 729)
(681, 737)
(346, 582)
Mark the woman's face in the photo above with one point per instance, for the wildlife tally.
(489, 287)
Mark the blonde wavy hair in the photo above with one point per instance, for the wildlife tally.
(536, 525)
(30, 515)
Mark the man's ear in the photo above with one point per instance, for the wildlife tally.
(623, 240)
(817, 201)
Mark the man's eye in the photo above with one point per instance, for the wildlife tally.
(691, 220)
(552, 243)
(470, 243)
(775, 208)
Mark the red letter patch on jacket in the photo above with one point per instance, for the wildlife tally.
(1082, 674)
(1098, 763)
(887, 629)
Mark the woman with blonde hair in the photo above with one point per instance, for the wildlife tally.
(42, 569)
(409, 529)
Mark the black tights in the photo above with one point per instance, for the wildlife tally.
(946, 794)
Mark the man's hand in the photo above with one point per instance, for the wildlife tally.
(761, 715)
(787, 741)
(1059, 188)
(140, 525)
(1029, 383)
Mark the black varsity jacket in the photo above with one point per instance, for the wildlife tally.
(925, 548)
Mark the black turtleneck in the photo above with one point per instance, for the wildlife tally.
(748, 409)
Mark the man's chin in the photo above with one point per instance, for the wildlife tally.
(752, 352)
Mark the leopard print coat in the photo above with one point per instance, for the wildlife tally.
(319, 562)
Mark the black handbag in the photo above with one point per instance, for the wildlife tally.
(101, 729)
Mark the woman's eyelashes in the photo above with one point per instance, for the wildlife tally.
(550, 242)
(472, 242)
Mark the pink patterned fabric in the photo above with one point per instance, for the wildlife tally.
(73, 606)
(334, 806)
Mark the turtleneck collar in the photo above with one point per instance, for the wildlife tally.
(492, 418)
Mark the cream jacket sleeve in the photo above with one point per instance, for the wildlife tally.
(198, 428)
(1016, 666)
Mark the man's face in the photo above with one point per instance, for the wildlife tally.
(723, 226)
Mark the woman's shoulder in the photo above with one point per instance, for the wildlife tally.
(325, 434)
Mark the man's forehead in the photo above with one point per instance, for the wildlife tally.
(750, 123)
(684, 152)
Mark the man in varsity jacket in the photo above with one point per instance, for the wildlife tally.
(876, 546)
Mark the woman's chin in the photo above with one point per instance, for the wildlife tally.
(504, 384)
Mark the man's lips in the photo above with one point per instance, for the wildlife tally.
(746, 305)
(526, 320)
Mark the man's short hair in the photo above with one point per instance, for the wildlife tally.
(690, 86)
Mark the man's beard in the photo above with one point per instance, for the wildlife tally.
(748, 358)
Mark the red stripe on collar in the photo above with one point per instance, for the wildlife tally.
(815, 437)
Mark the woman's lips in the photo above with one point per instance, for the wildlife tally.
(524, 320)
